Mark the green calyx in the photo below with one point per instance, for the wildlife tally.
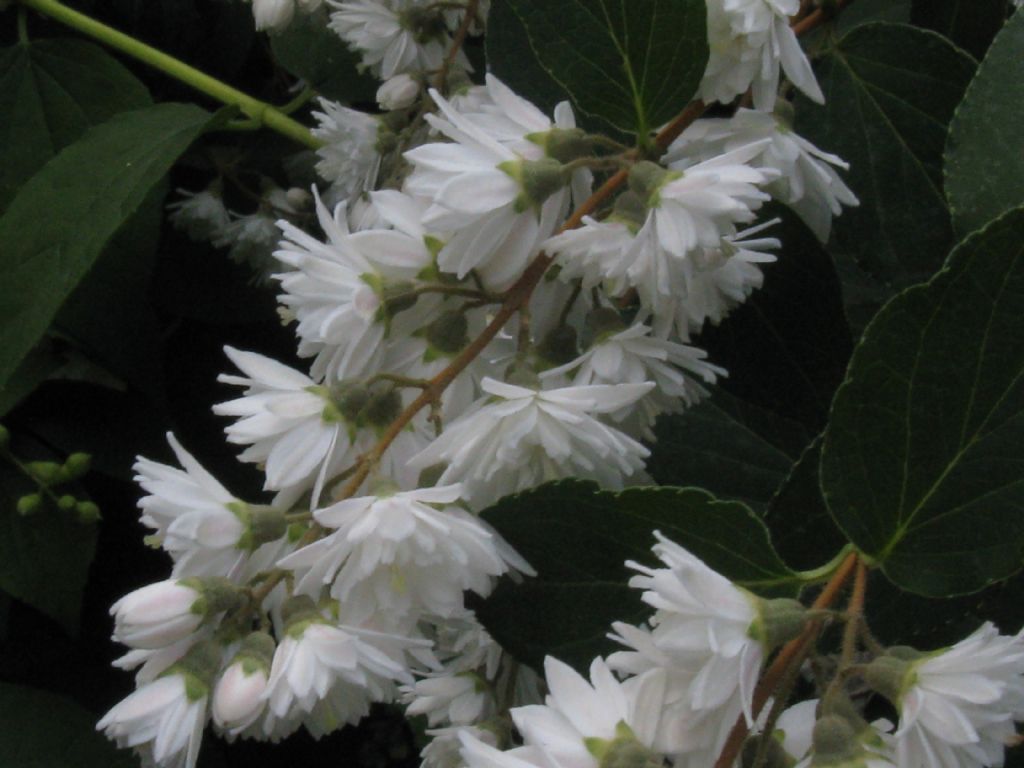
(558, 346)
(262, 524)
(624, 751)
(256, 653)
(647, 178)
(602, 322)
(774, 756)
(198, 667)
(538, 180)
(778, 621)
(382, 408)
(426, 24)
(563, 144)
(215, 595)
(893, 673)
(449, 333)
(298, 612)
(630, 210)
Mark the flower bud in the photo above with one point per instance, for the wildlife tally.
(46, 472)
(398, 93)
(5, 436)
(77, 464)
(29, 504)
(563, 144)
(238, 698)
(160, 614)
(273, 15)
(538, 180)
(87, 512)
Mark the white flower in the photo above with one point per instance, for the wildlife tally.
(750, 40)
(201, 215)
(499, 205)
(398, 92)
(195, 518)
(349, 158)
(157, 615)
(459, 699)
(521, 437)
(289, 423)
(250, 239)
(716, 280)
(704, 643)
(164, 718)
(633, 356)
(958, 707)
(337, 290)
(394, 36)
(807, 179)
(273, 14)
(329, 672)
(403, 553)
(579, 722)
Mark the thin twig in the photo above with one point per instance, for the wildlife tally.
(457, 41)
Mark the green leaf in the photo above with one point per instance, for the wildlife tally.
(787, 346)
(890, 92)
(804, 533)
(44, 730)
(633, 65)
(51, 91)
(865, 11)
(578, 539)
(971, 24)
(33, 370)
(110, 315)
(63, 217)
(921, 465)
(310, 50)
(985, 155)
(732, 448)
(45, 557)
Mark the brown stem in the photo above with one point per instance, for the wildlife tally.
(854, 614)
(457, 41)
(816, 18)
(791, 655)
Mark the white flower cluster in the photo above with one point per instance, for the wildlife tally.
(464, 343)
(691, 675)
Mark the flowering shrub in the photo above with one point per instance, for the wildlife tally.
(738, 280)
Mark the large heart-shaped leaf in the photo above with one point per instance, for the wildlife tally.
(923, 460)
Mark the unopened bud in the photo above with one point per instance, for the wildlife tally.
(273, 15)
(77, 464)
(449, 333)
(66, 503)
(298, 198)
(29, 504)
(398, 93)
(835, 742)
(87, 512)
(238, 698)
(160, 614)
(5, 436)
(46, 472)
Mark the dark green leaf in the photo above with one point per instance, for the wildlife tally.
(922, 460)
(578, 539)
(787, 346)
(633, 65)
(33, 370)
(51, 91)
(890, 91)
(803, 531)
(64, 216)
(729, 447)
(864, 11)
(985, 153)
(44, 558)
(44, 730)
(110, 315)
(308, 49)
(971, 24)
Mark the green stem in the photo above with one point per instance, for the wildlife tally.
(260, 111)
(825, 571)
